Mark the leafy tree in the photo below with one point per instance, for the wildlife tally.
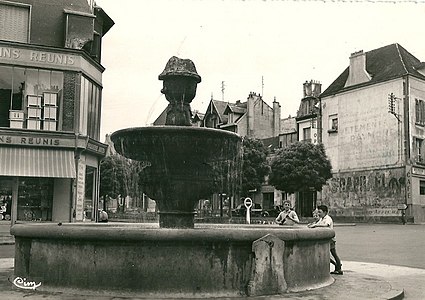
(120, 176)
(255, 166)
(300, 167)
(111, 174)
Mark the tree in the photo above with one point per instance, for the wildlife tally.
(300, 167)
(255, 166)
(119, 176)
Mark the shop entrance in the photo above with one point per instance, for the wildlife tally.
(6, 184)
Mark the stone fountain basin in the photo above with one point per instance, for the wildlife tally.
(207, 261)
(183, 164)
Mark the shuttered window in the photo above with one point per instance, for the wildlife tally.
(14, 23)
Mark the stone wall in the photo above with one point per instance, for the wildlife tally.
(370, 195)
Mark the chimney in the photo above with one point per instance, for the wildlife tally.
(357, 71)
(312, 88)
(276, 118)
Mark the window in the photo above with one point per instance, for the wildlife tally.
(89, 193)
(420, 111)
(30, 98)
(35, 199)
(14, 22)
(418, 150)
(79, 29)
(307, 134)
(421, 187)
(333, 123)
(89, 109)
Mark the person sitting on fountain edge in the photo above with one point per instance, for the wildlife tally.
(287, 216)
(103, 216)
(326, 221)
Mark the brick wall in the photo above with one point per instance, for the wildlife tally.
(69, 99)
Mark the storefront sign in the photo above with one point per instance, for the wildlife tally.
(96, 148)
(418, 171)
(27, 55)
(386, 211)
(81, 177)
(36, 141)
(48, 59)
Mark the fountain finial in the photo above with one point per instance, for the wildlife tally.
(180, 67)
(180, 80)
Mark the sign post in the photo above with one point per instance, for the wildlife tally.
(248, 203)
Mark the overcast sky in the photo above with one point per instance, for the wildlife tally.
(241, 42)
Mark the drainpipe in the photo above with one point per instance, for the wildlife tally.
(14, 209)
(319, 122)
(408, 165)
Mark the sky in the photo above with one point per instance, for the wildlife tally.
(267, 47)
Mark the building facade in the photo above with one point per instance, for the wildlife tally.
(253, 118)
(50, 107)
(373, 128)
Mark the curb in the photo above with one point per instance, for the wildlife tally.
(393, 295)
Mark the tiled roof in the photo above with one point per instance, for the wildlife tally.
(238, 108)
(221, 106)
(385, 63)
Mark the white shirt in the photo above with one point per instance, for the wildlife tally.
(327, 220)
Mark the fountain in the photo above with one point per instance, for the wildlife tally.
(185, 163)
(179, 259)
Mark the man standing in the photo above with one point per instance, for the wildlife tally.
(326, 221)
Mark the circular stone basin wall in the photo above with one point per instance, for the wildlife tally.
(202, 262)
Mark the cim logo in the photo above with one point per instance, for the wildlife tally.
(22, 283)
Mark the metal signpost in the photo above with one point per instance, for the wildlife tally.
(402, 207)
(248, 203)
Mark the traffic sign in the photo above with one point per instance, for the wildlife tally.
(248, 203)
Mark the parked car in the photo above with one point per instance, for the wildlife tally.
(271, 212)
(240, 210)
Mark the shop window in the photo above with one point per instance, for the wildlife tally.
(422, 187)
(30, 98)
(14, 23)
(6, 184)
(35, 198)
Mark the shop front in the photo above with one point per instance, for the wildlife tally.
(39, 182)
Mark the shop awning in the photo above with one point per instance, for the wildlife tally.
(36, 162)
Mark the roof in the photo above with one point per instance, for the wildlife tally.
(237, 108)
(288, 125)
(220, 106)
(383, 64)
